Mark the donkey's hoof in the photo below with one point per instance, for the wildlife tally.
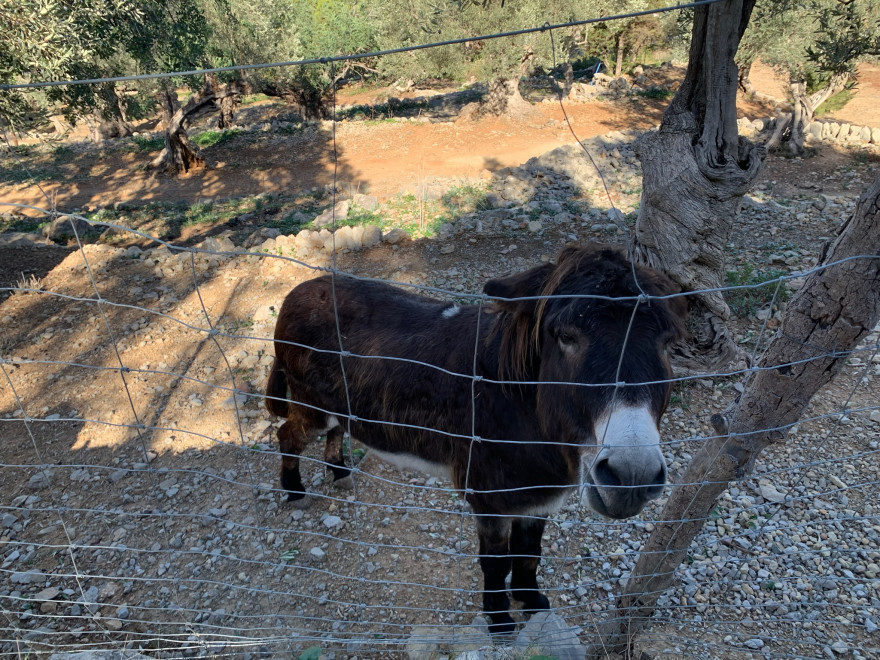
(345, 483)
(299, 500)
(502, 624)
(535, 604)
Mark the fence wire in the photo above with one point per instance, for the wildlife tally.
(142, 510)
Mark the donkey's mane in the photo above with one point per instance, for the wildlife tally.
(604, 271)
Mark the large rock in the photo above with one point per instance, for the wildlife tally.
(433, 642)
(337, 212)
(395, 236)
(63, 228)
(548, 634)
(20, 239)
(366, 202)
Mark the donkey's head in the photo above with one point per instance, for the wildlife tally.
(608, 354)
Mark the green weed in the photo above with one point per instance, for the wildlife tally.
(655, 93)
(758, 289)
(148, 144)
(215, 138)
(466, 198)
(835, 103)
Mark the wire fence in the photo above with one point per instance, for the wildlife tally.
(142, 511)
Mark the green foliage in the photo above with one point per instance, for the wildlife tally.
(466, 199)
(835, 102)
(214, 138)
(758, 289)
(311, 653)
(655, 93)
(148, 144)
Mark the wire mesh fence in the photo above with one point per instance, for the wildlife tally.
(142, 511)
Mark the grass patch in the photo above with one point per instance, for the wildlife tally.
(745, 302)
(148, 144)
(255, 98)
(215, 138)
(835, 102)
(655, 93)
(20, 224)
(467, 198)
(202, 213)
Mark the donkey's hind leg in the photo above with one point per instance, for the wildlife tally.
(333, 456)
(292, 438)
(525, 549)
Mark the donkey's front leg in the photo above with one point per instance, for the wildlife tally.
(525, 550)
(494, 536)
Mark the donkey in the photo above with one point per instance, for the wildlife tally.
(509, 399)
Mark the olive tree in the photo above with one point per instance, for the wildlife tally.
(817, 46)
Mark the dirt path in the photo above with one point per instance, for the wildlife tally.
(380, 158)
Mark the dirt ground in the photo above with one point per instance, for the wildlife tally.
(139, 469)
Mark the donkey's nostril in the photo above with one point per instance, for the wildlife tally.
(605, 475)
(660, 478)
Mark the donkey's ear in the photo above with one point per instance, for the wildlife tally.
(521, 285)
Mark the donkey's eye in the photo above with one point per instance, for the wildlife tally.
(566, 338)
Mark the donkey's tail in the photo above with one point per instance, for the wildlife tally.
(276, 391)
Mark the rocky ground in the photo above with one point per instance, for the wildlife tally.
(140, 505)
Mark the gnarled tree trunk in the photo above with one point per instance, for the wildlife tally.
(743, 81)
(696, 170)
(833, 311)
(504, 98)
(229, 99)
(804, 106)
(179, 155)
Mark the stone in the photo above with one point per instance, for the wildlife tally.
(49, 593)
(864, 136)
(215, 244)
(20, 239)
(32, 576)
(307, 240)
(317, 553)
(615, 216)
(547, 633)
(41, 479)
(372, 236)
(424, 642)
(337, 212)
(768, 492)
(332, 521)
(875, 135)
(535, 226)
(395, 236)
(366, 202)
(754, 644)
(343, 239)
(69, 227)
(9, 520)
